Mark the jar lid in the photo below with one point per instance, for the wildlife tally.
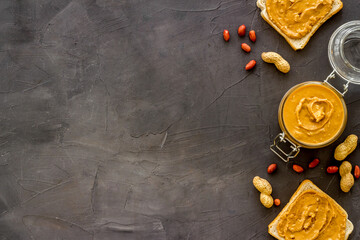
(344, 51)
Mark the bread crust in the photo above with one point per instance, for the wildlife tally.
(298, 44)
(305, 185)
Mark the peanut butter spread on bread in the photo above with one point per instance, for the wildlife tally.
(312, 216)
(296, 18)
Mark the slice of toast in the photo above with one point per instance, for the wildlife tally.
(306, 185)
(297, 44)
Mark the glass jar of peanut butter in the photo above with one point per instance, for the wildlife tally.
(313, 114)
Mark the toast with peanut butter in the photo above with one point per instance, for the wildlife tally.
(311, 214)
(298, 20)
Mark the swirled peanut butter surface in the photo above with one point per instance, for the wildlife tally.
(296, 18)
(313, 114)
(312, 216)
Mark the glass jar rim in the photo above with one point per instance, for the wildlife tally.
(336, 54)
(293, 139)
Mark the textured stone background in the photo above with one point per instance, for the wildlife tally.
(135, 120)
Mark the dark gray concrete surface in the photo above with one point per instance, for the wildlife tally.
(135, 120)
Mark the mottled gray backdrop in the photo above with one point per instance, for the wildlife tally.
(133, 119)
